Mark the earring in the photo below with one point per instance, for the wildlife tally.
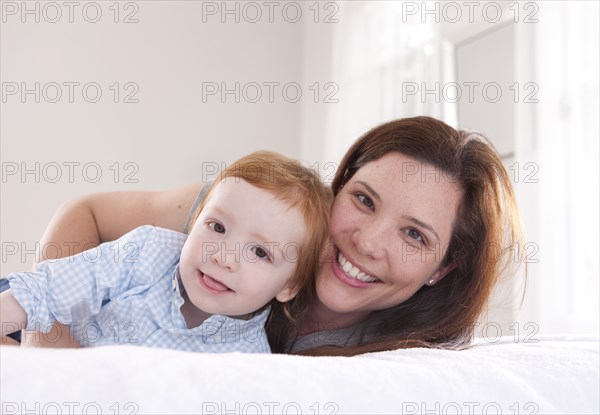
(431, 281)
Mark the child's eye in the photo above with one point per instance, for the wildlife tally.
(217, 227)
(365, 200)
(262, 253)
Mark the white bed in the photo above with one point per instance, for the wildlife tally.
(554, 375)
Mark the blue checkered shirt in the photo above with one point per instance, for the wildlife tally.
(128, 292)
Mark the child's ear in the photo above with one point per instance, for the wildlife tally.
(288, 292)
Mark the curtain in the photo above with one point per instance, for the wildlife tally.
(378, 62)
(558, 163)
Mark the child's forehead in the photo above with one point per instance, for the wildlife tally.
(256, 209)
(235, 188)
(285, 196)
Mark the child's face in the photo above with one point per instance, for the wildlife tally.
(242, 251)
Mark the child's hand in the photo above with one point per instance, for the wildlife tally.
(7, 341)
(12, 315)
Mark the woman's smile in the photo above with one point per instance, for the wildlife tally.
(350, 273)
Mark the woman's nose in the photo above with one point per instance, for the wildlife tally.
(370, 239)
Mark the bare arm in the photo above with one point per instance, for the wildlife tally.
(90, 220)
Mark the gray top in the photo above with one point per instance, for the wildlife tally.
(345, 337)
(348, 336)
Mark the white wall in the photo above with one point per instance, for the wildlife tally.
(318, 56)
(487, 59)
(168, 55)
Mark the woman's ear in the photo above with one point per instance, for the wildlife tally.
(441, 273)
(288, 292)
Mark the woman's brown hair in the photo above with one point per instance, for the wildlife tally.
(486, 232)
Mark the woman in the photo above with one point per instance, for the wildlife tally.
(423, 222)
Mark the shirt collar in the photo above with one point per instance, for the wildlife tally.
(227, 329)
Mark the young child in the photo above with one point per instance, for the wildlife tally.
(255, 243)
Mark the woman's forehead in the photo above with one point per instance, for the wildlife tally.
(400, 168)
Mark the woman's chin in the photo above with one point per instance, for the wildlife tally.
(331, 294)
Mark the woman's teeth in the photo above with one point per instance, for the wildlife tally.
(353, 272)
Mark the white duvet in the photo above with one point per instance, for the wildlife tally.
(554, 375)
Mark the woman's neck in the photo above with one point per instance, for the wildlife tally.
(319, 317)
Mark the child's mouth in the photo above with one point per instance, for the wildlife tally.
(212, 283)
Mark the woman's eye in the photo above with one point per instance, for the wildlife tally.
(261, 253)
(217, 227)
(365, 200)
(412, 233)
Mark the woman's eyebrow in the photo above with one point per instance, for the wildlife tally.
(370, 190)
(422, 224)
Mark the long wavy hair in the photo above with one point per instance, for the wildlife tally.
(485, 239)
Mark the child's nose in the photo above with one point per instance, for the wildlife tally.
(228, 255)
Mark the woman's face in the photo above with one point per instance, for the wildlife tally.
(391, 224)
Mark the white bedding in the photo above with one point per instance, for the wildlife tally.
(554, 375)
